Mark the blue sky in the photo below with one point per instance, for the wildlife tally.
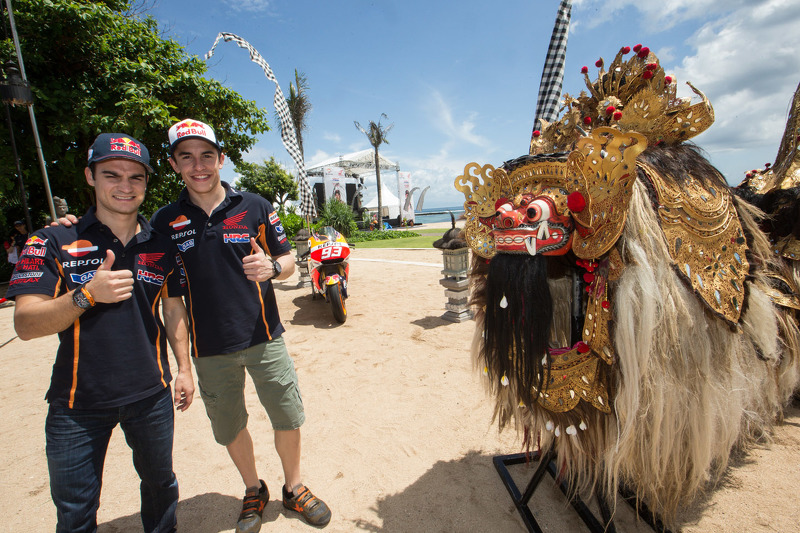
(459, 80)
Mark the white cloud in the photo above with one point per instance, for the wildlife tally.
(658, 14)
(333, 137)
(748, 66)
(444, 121)
(249, 5)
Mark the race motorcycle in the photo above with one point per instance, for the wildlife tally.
(329, 268)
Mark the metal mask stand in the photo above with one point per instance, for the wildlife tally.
(547, 464)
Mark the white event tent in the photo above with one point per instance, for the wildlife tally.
(356, 166)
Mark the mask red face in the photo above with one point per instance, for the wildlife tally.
(532, 226)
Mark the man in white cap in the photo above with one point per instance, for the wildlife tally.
(222, 236)
(98, 284)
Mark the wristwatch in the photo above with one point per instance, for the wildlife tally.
(82, 298)
(276, 267)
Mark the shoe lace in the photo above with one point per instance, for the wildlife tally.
(306, 500)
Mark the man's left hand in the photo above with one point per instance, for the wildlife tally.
(184, 391)
(257, 266)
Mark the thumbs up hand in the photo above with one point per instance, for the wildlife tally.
(257, 267)
(110, 286)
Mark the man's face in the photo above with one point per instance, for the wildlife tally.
(198, 162)
(119, 185)
(20, 228)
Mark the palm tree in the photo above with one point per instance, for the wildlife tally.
(299, 106)
(377, 136)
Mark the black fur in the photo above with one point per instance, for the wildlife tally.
(516, 338)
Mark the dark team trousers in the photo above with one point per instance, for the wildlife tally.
(77, 440)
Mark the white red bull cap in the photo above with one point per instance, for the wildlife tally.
(189, 128)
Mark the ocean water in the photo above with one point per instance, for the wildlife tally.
(423, 218)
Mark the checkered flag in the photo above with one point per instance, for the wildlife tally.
(553, 71)
(287, 126)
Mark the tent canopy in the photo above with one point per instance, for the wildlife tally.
(362, 162)
(389, 200)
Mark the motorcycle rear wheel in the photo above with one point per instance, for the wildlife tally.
(337, 303)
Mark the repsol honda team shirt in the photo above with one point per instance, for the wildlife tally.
(113, 354)
(227, 311)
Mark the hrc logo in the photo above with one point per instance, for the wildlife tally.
(236, 238)
(149, 277)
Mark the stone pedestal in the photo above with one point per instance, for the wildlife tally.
(301, 260)
(456, 284)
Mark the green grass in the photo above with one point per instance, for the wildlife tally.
(425, 240)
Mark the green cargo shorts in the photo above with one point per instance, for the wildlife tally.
(221, 382)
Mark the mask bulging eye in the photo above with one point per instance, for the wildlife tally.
(538, 210)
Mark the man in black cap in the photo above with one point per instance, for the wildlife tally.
(98, 284)
(20, 237)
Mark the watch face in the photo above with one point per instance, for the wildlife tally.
(80, 300)
(278, 268)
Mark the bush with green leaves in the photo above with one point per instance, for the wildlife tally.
(364, 236)
(291, 220)
(338, 215)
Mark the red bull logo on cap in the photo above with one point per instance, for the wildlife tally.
(190, 127)
(124, 144)
(189, 124)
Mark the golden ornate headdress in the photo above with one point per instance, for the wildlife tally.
(633, 95)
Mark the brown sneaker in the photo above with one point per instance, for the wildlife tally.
(314, 510)
(252, 507)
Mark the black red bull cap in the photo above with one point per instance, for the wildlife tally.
(190, 128)
(119, 146)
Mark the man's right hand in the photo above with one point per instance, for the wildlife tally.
(67, 221)
(110, 286)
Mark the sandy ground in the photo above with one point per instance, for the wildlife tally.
(397, 438)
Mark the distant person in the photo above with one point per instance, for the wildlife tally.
(98, 284)
(222, 236)
(20, 236)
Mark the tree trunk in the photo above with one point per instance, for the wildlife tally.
(380, 198)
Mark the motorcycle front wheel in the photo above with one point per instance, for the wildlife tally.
(337, 303)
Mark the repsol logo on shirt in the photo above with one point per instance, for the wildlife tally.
(176, 236)
(149, 277)
(236, 238)
(83, 262)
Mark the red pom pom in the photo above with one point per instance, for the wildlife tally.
(584, 69)
(536, 133)
(605, 304)
(647, 74)
(652, 66)
(576, 202)
(582, 347)
(767, 165)
(637, 48)
(667, 80)
(626, 50)
(617, 115)
(588, 277)
(644, 52)
(599, 63)
(610, 109)
(587, 120)
(748, 175)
